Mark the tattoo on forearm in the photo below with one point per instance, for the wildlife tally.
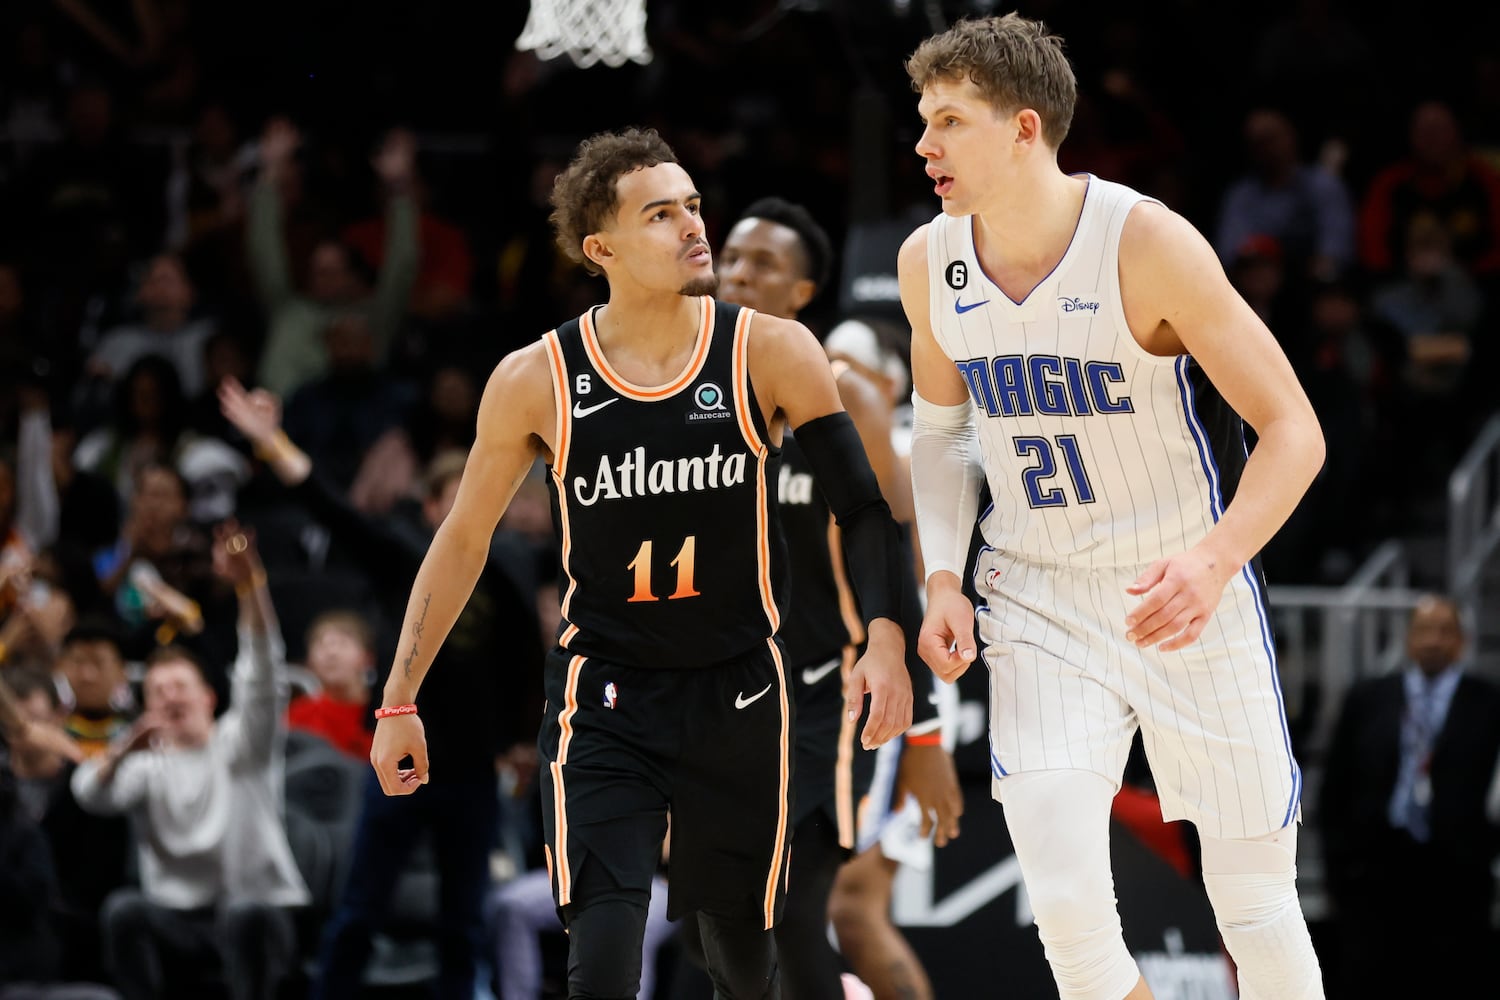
(902, 981)
(417, 627)
(421, 623)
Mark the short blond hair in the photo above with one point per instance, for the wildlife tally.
(1014, 61)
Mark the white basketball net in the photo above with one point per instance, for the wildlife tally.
(588, 31)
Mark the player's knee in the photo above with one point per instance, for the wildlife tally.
(1253, 881)
(741, 957)
(1079, 926)
(1073, 908)
(604, 944)
(858, 905)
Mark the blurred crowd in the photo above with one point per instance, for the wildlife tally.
(256, 262)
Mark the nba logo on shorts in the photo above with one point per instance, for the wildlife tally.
(611, 695)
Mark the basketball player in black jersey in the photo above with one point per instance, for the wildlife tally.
(775, 260)
(666, 691)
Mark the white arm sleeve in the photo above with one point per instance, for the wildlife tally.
(945, 478)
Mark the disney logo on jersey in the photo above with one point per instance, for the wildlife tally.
(634, 475)
(709, 399)
(1074, 304)
(1015, 385)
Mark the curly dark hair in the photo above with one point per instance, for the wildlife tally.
(585, 197)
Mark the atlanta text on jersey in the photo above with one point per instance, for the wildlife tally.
(633, 475)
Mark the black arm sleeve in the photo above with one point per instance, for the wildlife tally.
(924, 707)
(872, 540)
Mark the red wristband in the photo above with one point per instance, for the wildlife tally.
(386, 713)
(932, 739)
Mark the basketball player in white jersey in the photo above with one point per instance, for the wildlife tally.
(1080, 347)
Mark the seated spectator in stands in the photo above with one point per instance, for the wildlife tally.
(1438, 310)
(100, 705)
(443, 420)
(158, 574)
(1440, 176)
(59, 504)
(37, 747)
(1306, 208)
(89, 853)
(441, 290)
(218, 882)
(339, 416)
(341, 655)
(15, 550)
(338, 281)
(28, 882)
(167, 326)
(1436, 306)
(1411, 829)
(149, 426)
(21, 346)
(42, 614)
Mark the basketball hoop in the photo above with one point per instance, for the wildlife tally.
(588, 31)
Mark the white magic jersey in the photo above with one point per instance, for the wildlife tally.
(1102, 459)
(1097, 453)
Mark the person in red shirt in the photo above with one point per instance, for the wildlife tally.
(341, 655)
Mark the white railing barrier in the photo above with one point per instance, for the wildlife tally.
(1474, 516)
(1330, 637)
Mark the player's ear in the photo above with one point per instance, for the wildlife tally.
(803, 291)
(596, 249)
(1028, 127)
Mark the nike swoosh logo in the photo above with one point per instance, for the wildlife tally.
(812, 675)
(579, 410)
(960, 308)
(740, 701)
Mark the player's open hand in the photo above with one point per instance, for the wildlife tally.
(398, 737)
(881, 673)
(946, 641)
(928, 775)
(1178, 594)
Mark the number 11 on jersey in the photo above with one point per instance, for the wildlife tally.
(682, 562)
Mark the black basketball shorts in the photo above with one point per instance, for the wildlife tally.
(622, 748)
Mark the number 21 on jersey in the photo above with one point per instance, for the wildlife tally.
(1038, 476)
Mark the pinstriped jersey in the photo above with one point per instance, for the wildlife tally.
(664, 502)
(1097, 453)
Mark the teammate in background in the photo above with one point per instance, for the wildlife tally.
(775, 260)
(1093, 338)
(666, 690)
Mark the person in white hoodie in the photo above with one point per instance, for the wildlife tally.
(218, 882)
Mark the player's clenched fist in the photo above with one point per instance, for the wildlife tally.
(947, 638)
(396, 738)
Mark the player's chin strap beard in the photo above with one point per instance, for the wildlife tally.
(700, 286)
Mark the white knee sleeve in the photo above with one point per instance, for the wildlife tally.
(1059, 824)
(1252, 886)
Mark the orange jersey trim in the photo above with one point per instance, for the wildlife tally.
(560, 398)
(843, 768)
(742, 401)
(564, 874)
(781, 849)
(644, 393)
(560, 457)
